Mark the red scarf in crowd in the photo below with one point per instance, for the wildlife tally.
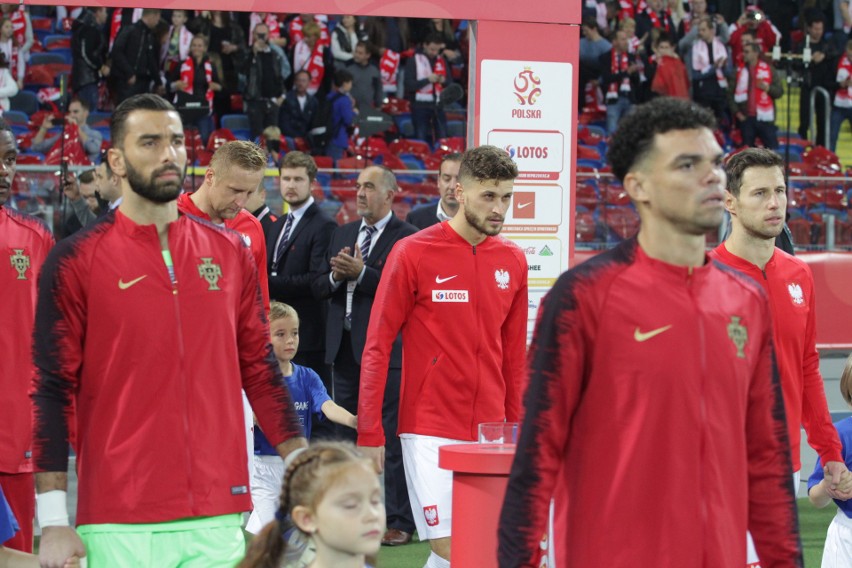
(655, 19)
(389, 69)
(843, 98)
(430, 91)
(701, 58)
(764, 109)
(19, 26)
(628, 10)
(187, 75)
(296, 34)
(619, 64)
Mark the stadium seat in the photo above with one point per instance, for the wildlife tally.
(42, 24)
(389, 160)
(405, 125)
(588, 153)
(235, 122)
(622, 221)
(585, 227)
(46, 57)
(24, 101)
(219, 137)
(57, 41)
(16, 118)
(593, 164)
(450, 144)
(324, 162)
(97, 118)
(456, 128)
(411, 146)
(353, 163)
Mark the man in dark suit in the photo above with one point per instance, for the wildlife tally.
(299, 108)
(296, 245)
(431, 214)
(256, 205)
(356, 258)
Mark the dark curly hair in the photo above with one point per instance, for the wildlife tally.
(634, 137)
(487, 163)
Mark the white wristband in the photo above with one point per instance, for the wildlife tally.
(52, 509)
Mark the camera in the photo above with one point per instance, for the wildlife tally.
(261, 37)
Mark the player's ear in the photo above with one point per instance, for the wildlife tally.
(115, 157)
(730, 202)
(633, 185)
(459, 192)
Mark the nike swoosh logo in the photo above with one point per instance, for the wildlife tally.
(522, 205)
(125, 285)
(439, 280)
(640, 336)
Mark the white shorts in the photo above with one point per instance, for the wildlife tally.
(265, 491)
(752, 561)
(248, 419)
(430, 488)
(838, 543)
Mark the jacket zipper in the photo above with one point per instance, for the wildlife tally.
(474, 298)
(702, 404)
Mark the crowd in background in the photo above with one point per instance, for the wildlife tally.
(720, 54)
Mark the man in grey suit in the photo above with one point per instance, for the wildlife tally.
(446, 207)
(356, 258)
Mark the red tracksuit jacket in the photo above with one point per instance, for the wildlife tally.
(789, 284)
(463, 314)
(155, 369)
(25, 242)
(654, 418)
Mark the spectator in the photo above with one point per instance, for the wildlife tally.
(297, 29)
(17, 60)
(688, 29)
(299, 108)
(592, 46)
(178, 43)
(228, 41)
(765, 34)
(631, 8)
(448, 205)
(271, 21)
(342, 115)
(256, 205)
(296, 246)
(89, 191)
(656, 19)
(756, 89)
(8, 85)
(392, 33)
(272, 142)
(444, 29)
(619, 80)
(265, 87)
(135, 57)
(89, 50)
(344, 38)
(842, 109)
(308, 55)
(820, 73)
(709, 68)
(843, 16)
(426, 75)
(356, 259)
(78, 115)
(195, 83)
(76, 189)
(22, 26)
(367, 91)
(389, 70)
(26, 242)
(670, 76)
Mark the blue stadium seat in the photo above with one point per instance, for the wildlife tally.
(16, 118)
(242, 134)
(235, 122)
(48, 57)
(456, 128)
(405, 125)
(24, 101)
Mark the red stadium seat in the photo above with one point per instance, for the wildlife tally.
(322, 162)
(218, 137)
(403, 145)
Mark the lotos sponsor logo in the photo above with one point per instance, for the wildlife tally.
(452, 296)
(526, 152)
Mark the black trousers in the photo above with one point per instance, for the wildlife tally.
(346, 377)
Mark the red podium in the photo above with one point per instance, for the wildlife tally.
(480, 475)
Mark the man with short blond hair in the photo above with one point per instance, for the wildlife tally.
(235, 171)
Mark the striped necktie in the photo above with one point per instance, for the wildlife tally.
(368, 239)
(285, 236)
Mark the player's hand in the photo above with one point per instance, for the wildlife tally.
(376, 454)
(837, 485)
(73, 562)
(58, 546)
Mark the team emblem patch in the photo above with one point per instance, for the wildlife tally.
(738, 334)
(796, 293)
(431, 514)
(502, 278)
(210, 272)
(20, 262)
